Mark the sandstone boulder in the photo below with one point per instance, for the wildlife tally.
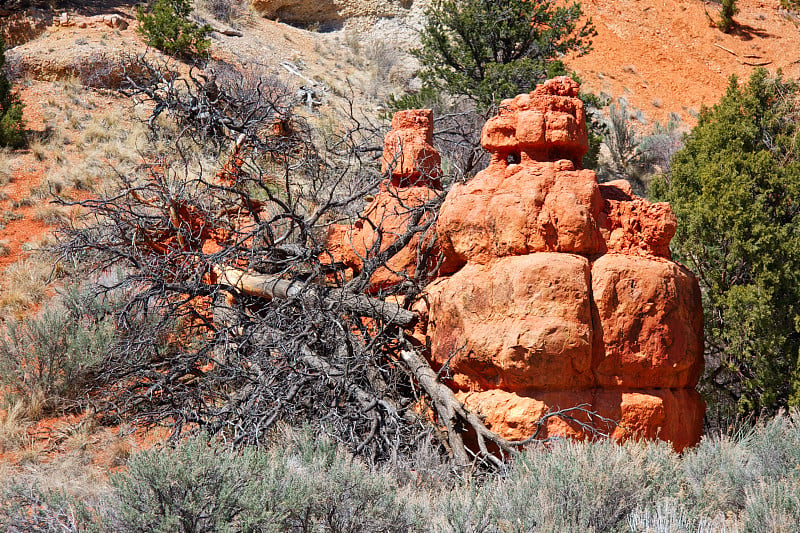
(408, 154)
(632, 225)
(672, 415)
(649, 323)
(547, 124)
(519, 323)
(560, 292)
(516, 209)
(515, 416)
(532, 197)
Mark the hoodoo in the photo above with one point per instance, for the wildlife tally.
(560, 291)
(555, 291)
(412, 167)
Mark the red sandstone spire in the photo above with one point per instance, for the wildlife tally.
(408, 151)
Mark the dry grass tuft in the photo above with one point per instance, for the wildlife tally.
(109, 146)
(43, 244)
(23, 202)
(120, 450)
(52, 215)
(14, 426)
(30, 456)
(25, 284)
(39, 149)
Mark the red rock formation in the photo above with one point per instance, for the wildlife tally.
(408, 152)
(673, 415)
(532, 197)
(549, 124)
(632, 225)
(516, 209)
(649, 328)
(515, 415)
(561, 291)
(413, 167)
(519, 323)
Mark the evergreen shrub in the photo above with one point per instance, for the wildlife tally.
(165, 25)
(12, 127)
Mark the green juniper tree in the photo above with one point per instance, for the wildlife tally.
(487, 50)
(726, 22)
(166, 26)
(12, 128)
(735, 188)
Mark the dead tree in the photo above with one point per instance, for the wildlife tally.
(235, 317)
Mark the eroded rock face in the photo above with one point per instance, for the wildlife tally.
(632, 225)
(548, 124)
(668, 414)
(519, 323)
(515, 415)
(326, 11)
(649, 325)
(533, 197)
(517, 209)
(561, 292)
(413, 168)
(299, 11)
(384, 220)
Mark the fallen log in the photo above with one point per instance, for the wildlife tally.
(266, 286)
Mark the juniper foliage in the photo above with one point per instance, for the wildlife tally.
(487, 50)
(167, 27)
(735, 189)
(12, 127)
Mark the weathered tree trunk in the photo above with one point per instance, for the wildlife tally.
(266, 286)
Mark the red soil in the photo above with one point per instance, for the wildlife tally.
(664, 55)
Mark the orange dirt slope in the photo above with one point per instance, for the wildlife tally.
(665, 56)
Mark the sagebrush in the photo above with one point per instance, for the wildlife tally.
(302, 480)
(47, 359)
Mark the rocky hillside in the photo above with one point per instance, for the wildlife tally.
(661, 56)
